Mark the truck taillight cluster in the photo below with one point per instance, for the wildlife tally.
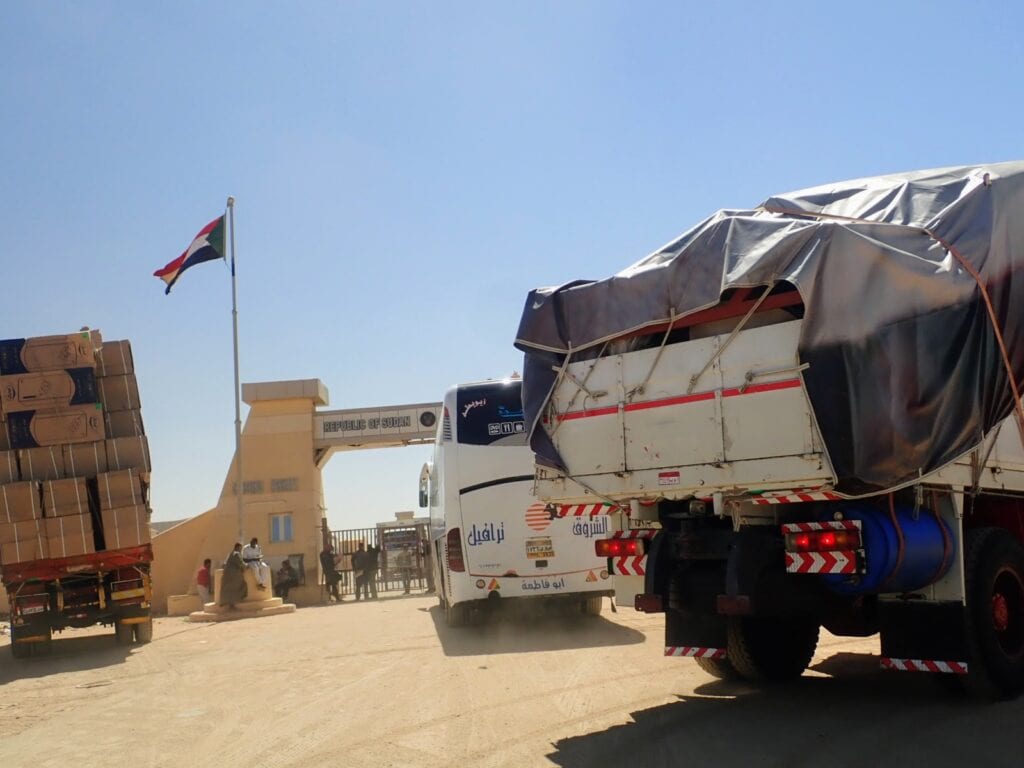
(823, 541)
(620, 547)
(454, 549)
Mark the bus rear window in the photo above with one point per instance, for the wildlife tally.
(491, 414)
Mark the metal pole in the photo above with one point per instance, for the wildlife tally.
(239, 482)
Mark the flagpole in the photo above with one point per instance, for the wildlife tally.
(240, 483)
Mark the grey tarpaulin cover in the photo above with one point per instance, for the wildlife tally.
(905, 371)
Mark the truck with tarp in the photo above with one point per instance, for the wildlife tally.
(74, 490)
(806, 414)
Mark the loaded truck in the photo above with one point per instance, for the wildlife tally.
(803, 415)
(74, 476)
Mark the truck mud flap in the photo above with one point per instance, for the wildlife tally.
(922, 630)
(695, 630)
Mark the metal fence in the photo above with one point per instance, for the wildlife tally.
(388, 541)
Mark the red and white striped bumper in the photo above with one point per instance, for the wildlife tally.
(925, 665)
(695, 652)
(585, 510)
(794, 498)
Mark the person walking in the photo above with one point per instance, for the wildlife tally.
(203, 581)
(328, 564)
(404, 563)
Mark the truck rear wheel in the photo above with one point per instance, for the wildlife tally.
(995, 614)
(771, 649)
(144, 631)
(123, 633)
(720, 668)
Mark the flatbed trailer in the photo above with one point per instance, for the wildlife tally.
(111, 587)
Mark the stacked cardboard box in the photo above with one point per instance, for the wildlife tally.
(74, 458)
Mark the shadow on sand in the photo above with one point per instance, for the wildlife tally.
(862, 716)
(66, 654)
(519, 633)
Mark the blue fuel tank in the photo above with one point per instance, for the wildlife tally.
(925, 559)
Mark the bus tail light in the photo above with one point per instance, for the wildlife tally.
(620, 547)
(454, 549)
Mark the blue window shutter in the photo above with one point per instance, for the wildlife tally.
(287, 527)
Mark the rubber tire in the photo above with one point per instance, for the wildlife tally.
(21, 650)
(592, 606)
(123, 633)
(720, 668)
(456, 615)
(144, 631)
(771, 650)
(992, 672)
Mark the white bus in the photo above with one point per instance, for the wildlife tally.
(492, 541)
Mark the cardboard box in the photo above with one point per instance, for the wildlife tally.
(24, 551)
(128, 453)
(47, 389)
(23, 530)
(123, 488)
(75, 424)
(126, 526)
(124, 423)
(65, 497)
(69, 535)
(85, 459)
(9, 467)
(20, 501)
(115, 357)
(47, 353)
(119, 393)
(42, 463)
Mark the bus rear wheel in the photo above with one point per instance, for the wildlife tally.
(456, 615)
(592, 606)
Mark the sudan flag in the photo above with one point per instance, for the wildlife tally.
(207, 246)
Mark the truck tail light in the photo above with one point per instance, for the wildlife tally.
(620, 547)
(454, 549)
(823, 541)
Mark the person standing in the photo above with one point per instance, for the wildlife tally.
(233, 589)
(329, 563)
(252, 556)
(360, 564)
(404, 563)
(203, 581)
(373, 560)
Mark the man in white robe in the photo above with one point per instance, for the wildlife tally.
(252, 556)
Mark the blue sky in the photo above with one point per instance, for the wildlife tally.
(406, 172)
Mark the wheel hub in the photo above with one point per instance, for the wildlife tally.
(1000, 613)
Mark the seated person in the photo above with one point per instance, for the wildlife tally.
(285, 578)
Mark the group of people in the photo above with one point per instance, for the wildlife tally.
(365, 566)
(233, 588)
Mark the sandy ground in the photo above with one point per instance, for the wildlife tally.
(387, 684)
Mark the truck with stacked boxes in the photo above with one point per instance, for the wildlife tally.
(806, 414)
(74, 479)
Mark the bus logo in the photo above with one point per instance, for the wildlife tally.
(537, 517)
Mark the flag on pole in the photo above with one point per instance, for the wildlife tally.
(207, 246)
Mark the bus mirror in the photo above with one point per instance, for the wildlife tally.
(423, 498)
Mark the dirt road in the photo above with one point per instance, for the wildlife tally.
(386, 684)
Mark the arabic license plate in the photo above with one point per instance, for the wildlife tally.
(644, 525)
(539, 549)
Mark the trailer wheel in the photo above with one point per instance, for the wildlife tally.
(20, 650)
(123, 633)
(720, 668)
(592, 606)
(771, 649)
(144, 631)
(995, 614)
(456, 615)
